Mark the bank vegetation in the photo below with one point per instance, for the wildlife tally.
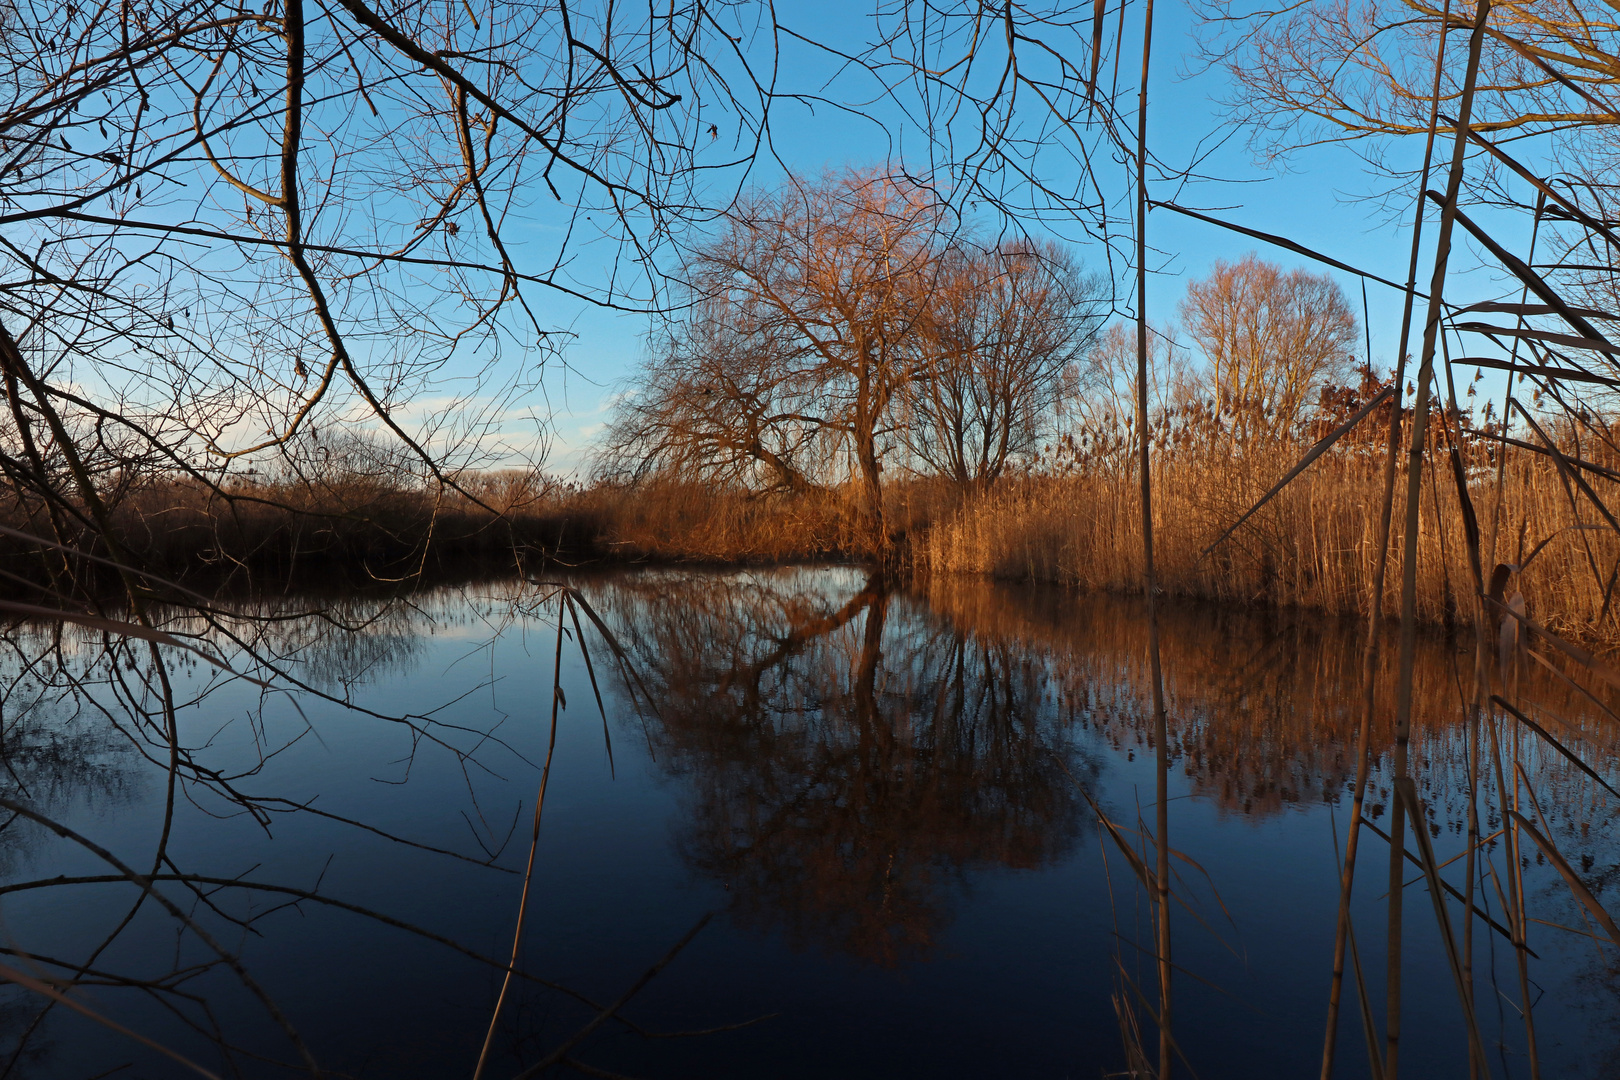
(854, 375)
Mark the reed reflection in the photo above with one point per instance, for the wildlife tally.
(54, 753)
(1262, 704)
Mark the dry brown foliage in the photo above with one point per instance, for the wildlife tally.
(1312, 546)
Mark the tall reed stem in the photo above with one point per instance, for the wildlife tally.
(534, 847)
(1414, 482)
(1516, 914)
(1160, 726)
(1375, 604)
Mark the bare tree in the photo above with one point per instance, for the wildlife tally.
(227, 227)
(1097, 424)
(1331, 71)
(812, 321)
(1011, 326)
(838, 321)
(715, 403)
(1271, 340)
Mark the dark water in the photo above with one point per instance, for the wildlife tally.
(881, 797)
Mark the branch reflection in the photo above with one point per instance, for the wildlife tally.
(849, 758)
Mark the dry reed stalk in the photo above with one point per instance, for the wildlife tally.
(1344, 935)
(1414, 473)
(1521, 915)
(534, 846)
(559, 1054)
(1137, 1065)
(1483, 642)
(1144, 470)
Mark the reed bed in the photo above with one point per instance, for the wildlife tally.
(696, 523)
(1313, 546)
(338, 528)
(678, 522)
(361, 528)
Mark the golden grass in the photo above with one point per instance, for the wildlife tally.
(678, 522)
(1313, 546)
(694, 523)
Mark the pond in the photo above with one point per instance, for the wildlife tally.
(825, 829)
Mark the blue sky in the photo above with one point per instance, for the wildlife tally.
(1319, 198)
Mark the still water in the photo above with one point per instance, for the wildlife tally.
(882, 801)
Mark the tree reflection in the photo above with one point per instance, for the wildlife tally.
(847, 768)
(852, 754)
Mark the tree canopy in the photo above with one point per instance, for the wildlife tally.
(840, 323)
(1271, 340)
